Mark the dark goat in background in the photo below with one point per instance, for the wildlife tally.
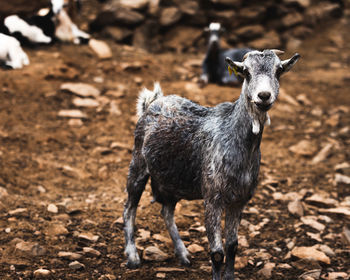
(211, 153)
(214, 69)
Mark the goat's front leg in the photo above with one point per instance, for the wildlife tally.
(213, 214)
(180, 249)
(232, 219)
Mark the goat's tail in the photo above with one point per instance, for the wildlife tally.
(146, 97)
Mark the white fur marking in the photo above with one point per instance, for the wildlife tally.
(214, 26)
(11, 52)
(256, 126)
(32, 32)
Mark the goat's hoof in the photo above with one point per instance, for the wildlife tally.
(132, 264)
(185, 261)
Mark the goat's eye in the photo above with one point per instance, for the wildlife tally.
(246, 74)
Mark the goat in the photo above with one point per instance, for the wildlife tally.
(11, 53)
(45, 27)
(211, 153)
(213, 67)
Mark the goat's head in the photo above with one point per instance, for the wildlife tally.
(261, 72)
(215, 30)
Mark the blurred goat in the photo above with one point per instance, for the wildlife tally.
(214, 69)
(11, 53)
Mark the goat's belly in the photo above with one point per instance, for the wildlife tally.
(174, 178)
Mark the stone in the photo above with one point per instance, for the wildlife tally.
(24, 246)
(312, 222)
(270, 40)
(170, 16)
(91, 252)
(310, 253)
(322, 11)
(301, 3)
(52, 208)
(144, 235)
(346, 235)
(337, 275)
(296, 208)
(194, 248)
(338, 210)
(232, 3)
(75, 122)
(326, 249)
(161, 275)
(342, 179)
(116, 16)
(69, 255)
(181, 38)
(153, 7)
(118, 34)
(134, 4)
(81, 89)
(250, 32)
(153, 253)
(76, 265)
(314, 236)
(3, 192)
(100, 48)
(321, 201)
(312, 274)
(303, 148)
(18, 211)
(189, 7)
(241, 262)
(301, 32)
(169, 269)
(42, 273)
(283, 96)
(291, 19)
(54, 229)
(146, 36)
(85, 102)
(162, 238)
(266, 271)
(323, 154)
(88, 236)
(76, 114)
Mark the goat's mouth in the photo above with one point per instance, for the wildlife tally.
(263, 106)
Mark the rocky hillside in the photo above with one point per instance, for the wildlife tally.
(178, 25)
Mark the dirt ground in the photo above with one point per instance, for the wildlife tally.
(45, 159)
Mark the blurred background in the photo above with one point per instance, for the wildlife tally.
(66, 137)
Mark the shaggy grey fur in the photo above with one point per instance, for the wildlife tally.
(195, 152)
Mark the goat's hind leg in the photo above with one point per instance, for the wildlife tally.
(180, 249)
(136, 183)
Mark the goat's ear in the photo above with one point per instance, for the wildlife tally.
(288, 63)
(234, 66)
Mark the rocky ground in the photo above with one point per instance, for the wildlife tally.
(63, 172)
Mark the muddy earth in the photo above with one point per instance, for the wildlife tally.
(62, 180)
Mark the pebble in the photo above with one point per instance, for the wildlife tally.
(296, 208)
(76, 265)
(91, 252)
(88, 236)
(304, 148)
(18, 211)
(266, 271)
(194, 248)
(153, 253)
(75, 122)
(81, 89)
(310, 253)
(85, 102)
(321, 201)
(311, 221)
(76, 114)
(101, 48)
(3, 192)
(52, 208)
(42, 273)
(69, 255)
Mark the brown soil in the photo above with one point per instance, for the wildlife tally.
(85, 177)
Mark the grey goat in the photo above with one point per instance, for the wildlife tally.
(195, 152)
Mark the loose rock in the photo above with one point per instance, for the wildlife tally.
(101, 48)
(42, 273)
(194, 248)
(310, 253)
(81, 89)
(153, 253)
(76, 265)
(76, 114)
(52, 208)
(69, 255)
(296, 208)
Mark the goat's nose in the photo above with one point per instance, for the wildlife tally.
(264, 95)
